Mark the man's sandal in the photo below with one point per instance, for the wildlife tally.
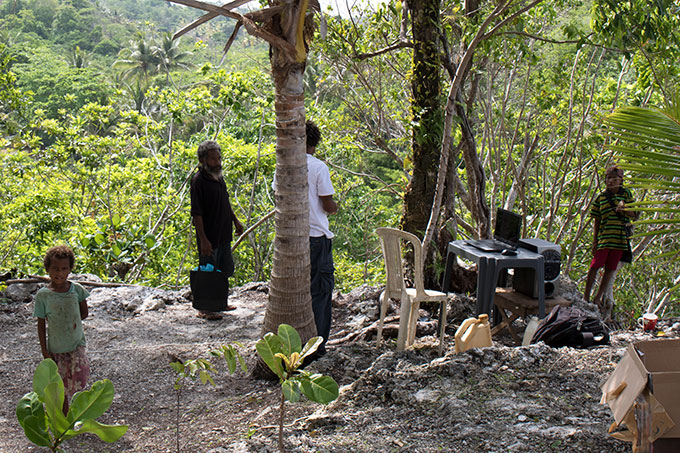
(209, 316)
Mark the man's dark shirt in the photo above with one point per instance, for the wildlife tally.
(210, 200)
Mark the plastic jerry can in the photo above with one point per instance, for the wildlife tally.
(530, 330)
(473, 333)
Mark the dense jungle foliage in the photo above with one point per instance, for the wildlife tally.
(101, 113)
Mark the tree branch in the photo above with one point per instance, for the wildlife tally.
(249, 230)
(247, 22)
(395, 46)
(203, 19)
(41, 279)
(511, 17)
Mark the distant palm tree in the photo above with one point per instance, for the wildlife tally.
(78, 58)
(137, 92)
(169, 55)
(647, 142)
(138, 59)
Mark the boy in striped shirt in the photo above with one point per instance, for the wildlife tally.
(609, 236)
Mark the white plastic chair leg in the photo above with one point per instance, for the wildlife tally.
(384, 300)
(404, 321)
(413, 324)
(442, 327)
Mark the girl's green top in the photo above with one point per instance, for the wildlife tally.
(62, 311)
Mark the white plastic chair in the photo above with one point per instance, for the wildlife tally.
(410, 298)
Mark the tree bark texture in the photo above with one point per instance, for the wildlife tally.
(426, 112)
(427, 115)
(289, 291)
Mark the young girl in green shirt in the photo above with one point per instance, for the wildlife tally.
(61, 306)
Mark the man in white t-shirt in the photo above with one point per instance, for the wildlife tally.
(321, 203)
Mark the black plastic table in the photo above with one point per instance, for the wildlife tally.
(489, 266)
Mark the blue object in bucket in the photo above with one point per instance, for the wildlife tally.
(207, 268)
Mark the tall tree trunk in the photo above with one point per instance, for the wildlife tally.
(427, 116)
(290, 300)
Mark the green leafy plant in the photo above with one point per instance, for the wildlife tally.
(192, 369)
(201, 369)
(284, 355)
(40, 411)
(231, 356)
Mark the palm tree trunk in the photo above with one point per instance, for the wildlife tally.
(290, 300)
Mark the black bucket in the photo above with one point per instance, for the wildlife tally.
(209, 290)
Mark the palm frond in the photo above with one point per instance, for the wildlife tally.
(646, 142)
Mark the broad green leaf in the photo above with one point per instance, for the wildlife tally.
(311, 346)
(54, 401)
(291, 390)
(290, 340)
(242, 362)
(115, 249)
(150, 240)
(45, 374)
(267, 348)
(178, 367)
(115, 220)
(205, 377)
(99, 238)
(29, 404)
(90, 404)
(320, 389)
(107, 433)
(230, 358)
(34, 428)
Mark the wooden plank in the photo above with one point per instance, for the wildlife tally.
(522, 300)
(520, 305)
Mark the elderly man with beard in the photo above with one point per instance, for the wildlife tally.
(212, 214)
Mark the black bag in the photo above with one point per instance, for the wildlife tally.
(630, 229)
(566, 326)
(209, 290)
(627, 256)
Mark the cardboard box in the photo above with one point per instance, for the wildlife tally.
(653, 365)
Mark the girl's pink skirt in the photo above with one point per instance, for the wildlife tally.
(74, 369)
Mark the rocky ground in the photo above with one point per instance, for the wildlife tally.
(503, 398)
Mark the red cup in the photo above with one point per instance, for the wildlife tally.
(648, 322)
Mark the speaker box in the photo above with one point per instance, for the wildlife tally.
(524, 280)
